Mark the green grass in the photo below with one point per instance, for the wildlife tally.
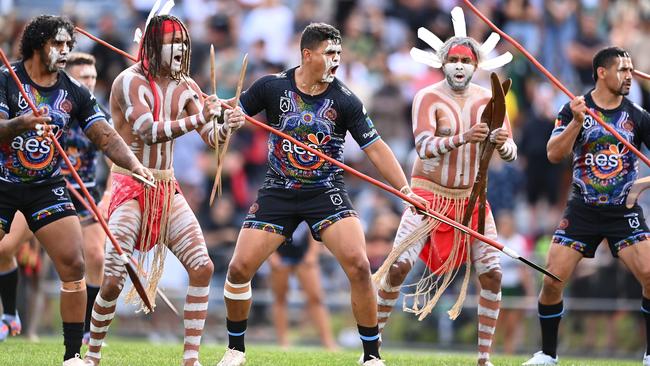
(125, 352)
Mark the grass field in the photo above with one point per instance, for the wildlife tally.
(124, 352)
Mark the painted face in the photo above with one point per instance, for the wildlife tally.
(332, 59)
(459, 67)
(56, 50)
(174, 50)
(85, 74)
(618, 77)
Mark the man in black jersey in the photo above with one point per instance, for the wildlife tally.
(310, 104)
(83, 155)
(603, 173)
(30, 166)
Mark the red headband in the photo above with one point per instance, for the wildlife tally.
(168, 26)
(462, 50)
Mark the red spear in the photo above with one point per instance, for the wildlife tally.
(558, 84)
(129, 267)
(421, 208)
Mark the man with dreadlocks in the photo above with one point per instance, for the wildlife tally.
(448, 132)
(153, 102)
(30, 167)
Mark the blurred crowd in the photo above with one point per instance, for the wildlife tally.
(527, 196)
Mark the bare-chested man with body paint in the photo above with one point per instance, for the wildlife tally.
(448, 131)
(159, 217)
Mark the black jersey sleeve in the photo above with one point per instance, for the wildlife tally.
(89, 111)
(563, 119)
(642, 133)
(4, 101)
(253, 100)
(359, 123)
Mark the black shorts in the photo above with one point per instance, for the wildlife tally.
(292, 252)
(41, 203)
(584, 226)
(280, 210)
(85, 215)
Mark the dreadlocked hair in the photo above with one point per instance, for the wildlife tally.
(40, 30)
(151, 49)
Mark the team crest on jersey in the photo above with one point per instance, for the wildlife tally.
(59, 191)
(331, 114)
(628, 125)
(66, 106)
(564, 223)
(254, 208)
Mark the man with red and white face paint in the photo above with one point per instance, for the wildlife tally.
(448, 132)
(459, 67)
(152, 103)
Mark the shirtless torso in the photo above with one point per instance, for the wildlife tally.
(441, 119)
(132, 103)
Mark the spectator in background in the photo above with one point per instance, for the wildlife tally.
(584, 46)
(515, 283)
(109, 63)
(299, 256)
(521, 18)
(504, 184)
(542, 183)
(558, 28)
(276, 34)
(220, 227)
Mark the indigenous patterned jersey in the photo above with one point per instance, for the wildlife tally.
(82, 153)
(603, 168)
(319, 121)
(29, 157)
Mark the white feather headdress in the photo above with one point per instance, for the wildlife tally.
(460, 30)
(166, 8)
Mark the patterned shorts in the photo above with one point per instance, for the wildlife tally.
(280, 210)
(41, 203)
(583, 227)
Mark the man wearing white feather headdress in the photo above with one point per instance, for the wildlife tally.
(448, 134)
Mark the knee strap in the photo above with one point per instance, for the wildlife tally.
(74, 286)
(237, 291)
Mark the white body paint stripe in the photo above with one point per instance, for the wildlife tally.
(491, 296)
(202, 306)
(194, 323)
(198, 291)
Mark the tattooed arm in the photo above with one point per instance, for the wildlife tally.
(104, 136)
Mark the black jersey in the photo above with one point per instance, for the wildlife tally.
(82, 153)
(603, 168)
(319, 121)
(29, 157)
